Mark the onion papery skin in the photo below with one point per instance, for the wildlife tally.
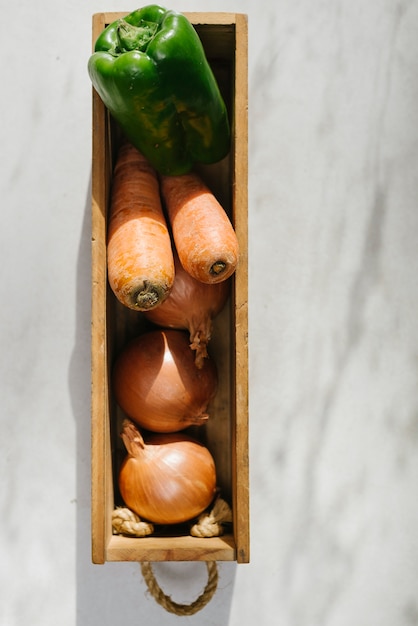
(168, 478)
(157, 384)
(191, 305)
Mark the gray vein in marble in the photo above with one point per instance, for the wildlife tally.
(310, 537)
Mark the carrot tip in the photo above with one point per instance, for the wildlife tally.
(217, 268)
(147, 298)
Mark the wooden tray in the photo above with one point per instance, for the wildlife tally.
(224, 36)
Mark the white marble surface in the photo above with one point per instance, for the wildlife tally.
(333, 324)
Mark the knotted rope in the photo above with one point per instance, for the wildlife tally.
(209, 524)
(126, 522)
(174, 607)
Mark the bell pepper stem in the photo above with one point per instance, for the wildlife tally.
(135, 37)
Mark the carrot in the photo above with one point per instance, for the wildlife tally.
(203, 235)
(140, 261)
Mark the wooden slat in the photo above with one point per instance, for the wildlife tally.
(98, 326)
(240, 188)
(172, 549)
(223, 18)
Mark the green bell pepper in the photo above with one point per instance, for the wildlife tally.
(152, 74)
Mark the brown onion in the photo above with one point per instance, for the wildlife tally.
(191, 305)
(157, 384)
(166, 479)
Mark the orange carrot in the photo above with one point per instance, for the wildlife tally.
(203, 235)
(139, 255)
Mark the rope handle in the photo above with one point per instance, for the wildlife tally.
(208, 524)
(174, 607)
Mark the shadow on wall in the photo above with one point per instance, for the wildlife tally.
(116, 592)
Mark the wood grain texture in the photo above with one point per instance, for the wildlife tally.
(184, 548)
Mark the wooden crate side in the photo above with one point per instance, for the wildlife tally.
(175, 548)
(195, 17)
(98, 338)
(240, 437)
(101, 483)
